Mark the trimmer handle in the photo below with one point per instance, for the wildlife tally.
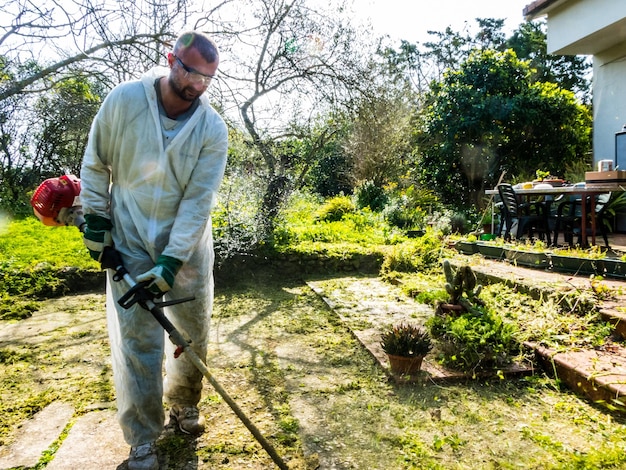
(138, 292)
(111, 259)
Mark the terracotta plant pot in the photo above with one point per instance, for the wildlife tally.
(403, 365)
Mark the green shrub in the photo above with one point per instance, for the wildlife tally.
(419, 254)
(372, 196)
(330, 175)
(335, 208)
(474, 341)
(401, 213)
(458, 223)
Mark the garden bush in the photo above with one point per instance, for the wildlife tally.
(335, 208)
(473, 341)
(401, 213)
(372, 196)
(414, 255)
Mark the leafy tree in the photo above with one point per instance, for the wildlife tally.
(328, 171)
(43, 135)
(14, 143)
(379, 143)
(114, 39)
(448, 49)
(330, 176)
(50, 51)
(64, 117)
(489, 117)
(569, 72)
(300, 63)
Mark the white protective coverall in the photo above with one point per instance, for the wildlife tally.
(159, 201)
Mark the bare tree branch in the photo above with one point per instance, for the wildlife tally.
(20, 86)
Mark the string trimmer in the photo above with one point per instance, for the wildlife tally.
(56, 202)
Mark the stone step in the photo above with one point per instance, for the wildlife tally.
(94, 441)
(36, 435)
(599, 374)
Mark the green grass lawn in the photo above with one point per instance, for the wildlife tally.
(27, 243)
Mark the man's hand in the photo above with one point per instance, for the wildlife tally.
(162, 275)
(97, 235)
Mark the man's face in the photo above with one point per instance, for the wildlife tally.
(190, 74)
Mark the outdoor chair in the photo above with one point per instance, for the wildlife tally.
(530, 217)
(569, 215)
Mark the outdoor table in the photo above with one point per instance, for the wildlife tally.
(591, 190)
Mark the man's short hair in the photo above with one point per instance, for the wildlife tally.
(200, 42)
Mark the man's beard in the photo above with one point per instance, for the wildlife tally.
(184, 93)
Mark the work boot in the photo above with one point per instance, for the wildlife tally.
(143, 457)
(188, 418)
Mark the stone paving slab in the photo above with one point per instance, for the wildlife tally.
(94, 442)
(36, 436)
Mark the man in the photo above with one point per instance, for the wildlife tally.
(155, 159)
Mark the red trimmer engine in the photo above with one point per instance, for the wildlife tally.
(56, 201)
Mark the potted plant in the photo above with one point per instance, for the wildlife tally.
(529, 254)
(468, 245)
(577, 260)
(406, 345)
(546, 177)
(487, 221)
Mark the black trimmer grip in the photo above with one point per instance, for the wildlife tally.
(112, 259)
(136, 294)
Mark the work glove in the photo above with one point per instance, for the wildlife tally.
(162, 275)
(97, 235)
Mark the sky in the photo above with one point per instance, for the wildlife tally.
(411, 19)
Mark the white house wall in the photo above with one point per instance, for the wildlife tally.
(598, 28)
(586, 26)
(609, 100)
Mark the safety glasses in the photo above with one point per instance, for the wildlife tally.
(193, 75)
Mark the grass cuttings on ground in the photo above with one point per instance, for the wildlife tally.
(349, 416)
(301, 376)
(557, 320)
(67, 359)
(303, 379)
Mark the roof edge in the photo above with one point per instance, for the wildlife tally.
(537, 8)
